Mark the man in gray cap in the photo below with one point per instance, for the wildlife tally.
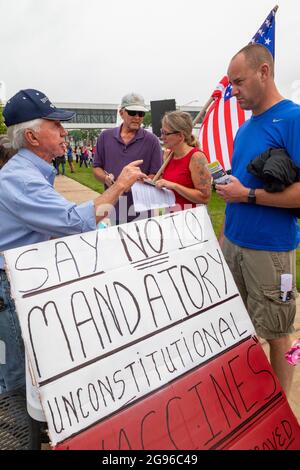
(119, 146)
(31, 211)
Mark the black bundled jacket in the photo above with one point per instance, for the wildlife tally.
(277, 171)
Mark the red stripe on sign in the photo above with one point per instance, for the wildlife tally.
(217, 406)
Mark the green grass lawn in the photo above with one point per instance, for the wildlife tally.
(84, 176)
(216, 206)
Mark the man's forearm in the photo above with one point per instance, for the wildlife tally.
(99, 174)
(235, 192)
(289, 198)
(105, 202)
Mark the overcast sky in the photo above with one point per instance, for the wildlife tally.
(95, 51)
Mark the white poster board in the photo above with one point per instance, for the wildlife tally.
(109, 317)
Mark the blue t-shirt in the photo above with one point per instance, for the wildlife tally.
(254, 226)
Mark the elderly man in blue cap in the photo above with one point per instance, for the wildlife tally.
(31, 211)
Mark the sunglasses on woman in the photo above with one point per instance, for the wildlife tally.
(135, 113)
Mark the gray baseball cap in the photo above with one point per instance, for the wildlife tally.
(133, 102)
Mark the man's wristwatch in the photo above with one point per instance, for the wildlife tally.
(251, 196)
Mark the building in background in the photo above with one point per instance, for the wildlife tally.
(103, 115)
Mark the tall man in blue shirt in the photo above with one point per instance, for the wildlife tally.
(260, 232)
(119, 146)
(31, 211)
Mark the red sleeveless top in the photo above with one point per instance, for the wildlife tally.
(178, 171)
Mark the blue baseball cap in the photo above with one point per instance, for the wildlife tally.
(31, 104)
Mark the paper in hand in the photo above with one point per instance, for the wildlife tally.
(146, 197)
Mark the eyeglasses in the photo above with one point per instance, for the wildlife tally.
(162, 132)
(135, 113)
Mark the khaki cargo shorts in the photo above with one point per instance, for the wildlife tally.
(257, 276)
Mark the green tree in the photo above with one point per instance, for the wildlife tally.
(87, 136)
(2, 125)
(147, 119)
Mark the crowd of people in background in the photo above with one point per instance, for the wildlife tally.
(82, 154)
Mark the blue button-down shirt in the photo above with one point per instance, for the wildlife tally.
(31, 211)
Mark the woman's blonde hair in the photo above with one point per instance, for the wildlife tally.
(179, 121)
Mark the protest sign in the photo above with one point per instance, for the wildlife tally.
(119, 321)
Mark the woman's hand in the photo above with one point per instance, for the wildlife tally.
(165, 184)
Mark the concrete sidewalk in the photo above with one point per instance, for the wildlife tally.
(78, 193)
(73, 191)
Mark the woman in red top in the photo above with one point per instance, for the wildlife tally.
(186, 174)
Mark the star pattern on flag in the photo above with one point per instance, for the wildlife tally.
(266, 33)
(228, 92)
(265, 36)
